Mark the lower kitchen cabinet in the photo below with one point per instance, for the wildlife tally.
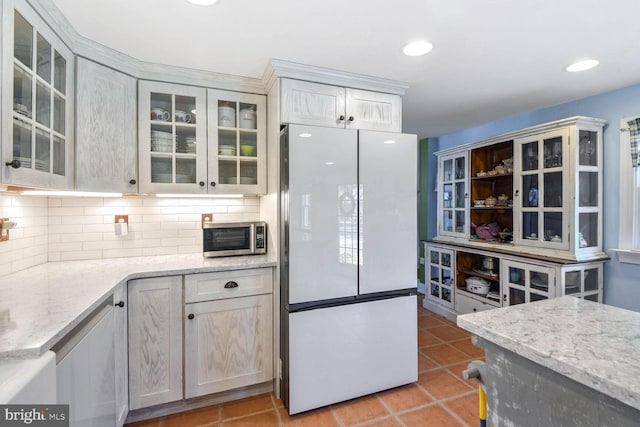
(155, 341)
(464, 280)
(85, 371)
(121, 354)
(228, 344)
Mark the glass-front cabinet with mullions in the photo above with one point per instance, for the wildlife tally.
(37, 122)
(523, 282)
(237, 141)
(558, 189)
(541, 196)
(440, 275)
(172, 140)
(453, 195)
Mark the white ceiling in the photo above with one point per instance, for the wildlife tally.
(491, 58)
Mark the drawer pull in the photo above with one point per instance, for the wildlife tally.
(231, 284)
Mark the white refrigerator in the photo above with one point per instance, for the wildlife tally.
(349, 257)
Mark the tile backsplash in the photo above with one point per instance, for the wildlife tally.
(72, 228)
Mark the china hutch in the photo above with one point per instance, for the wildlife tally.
(519, 219)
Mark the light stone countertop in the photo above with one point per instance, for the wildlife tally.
(594, 344)
(40, 305)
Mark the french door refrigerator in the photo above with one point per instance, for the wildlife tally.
(349, 252)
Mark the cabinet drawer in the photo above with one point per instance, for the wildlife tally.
(211, 286)
(465, 304)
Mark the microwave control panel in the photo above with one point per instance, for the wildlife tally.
(260, 237)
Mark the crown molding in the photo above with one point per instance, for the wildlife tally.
(280, 68)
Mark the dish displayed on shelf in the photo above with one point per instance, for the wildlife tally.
(42, 165)
(494, 295)
(478, 203)
(481, 174)
(477, 285)
(539, 283)
(22, 109)
(161, 141)
(185, 179)
(161, 177)
(485, 272)
(227, 151)
(247, 180)
(247, 150)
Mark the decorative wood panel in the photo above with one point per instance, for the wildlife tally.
(155, 341)
(312, 104)
(373, 110)
(228, 344)
(106, 158)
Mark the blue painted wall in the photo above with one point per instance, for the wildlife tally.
(621, 281)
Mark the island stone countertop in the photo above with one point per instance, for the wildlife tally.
(40, 305)
(593, 344)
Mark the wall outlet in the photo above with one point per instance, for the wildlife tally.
(206, 217)
(422, 260)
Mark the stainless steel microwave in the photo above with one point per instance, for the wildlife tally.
(234, 238)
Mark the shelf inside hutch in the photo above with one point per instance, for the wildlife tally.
(492, 175)
(473, 265)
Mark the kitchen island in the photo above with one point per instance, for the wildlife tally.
(563, 361)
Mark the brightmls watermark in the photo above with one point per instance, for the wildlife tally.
(35, 415)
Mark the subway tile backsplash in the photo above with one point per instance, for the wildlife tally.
(72, 228)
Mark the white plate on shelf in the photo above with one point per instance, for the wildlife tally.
(226, 151)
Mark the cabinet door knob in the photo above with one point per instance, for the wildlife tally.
(466, 195)
(341, 118)
(351, 118)
(190, 316)
(120, 304)
(231, 284)
(132, 181)
(201, 183)
(517, 193)
(213, 183)
(14, 164)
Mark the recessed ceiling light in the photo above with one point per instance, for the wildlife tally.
(417, 48)
(587, 64)
(203, 2)
(329, 163)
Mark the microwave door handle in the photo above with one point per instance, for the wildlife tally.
(252, 237)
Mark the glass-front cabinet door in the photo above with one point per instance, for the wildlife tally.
(453, 196)
(587, 236)
(523, 283)
(237, 142)
(172, 138)
(440, 276)
(541, 190)
(37, 145)
(582, 281)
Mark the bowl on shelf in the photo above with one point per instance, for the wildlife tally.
(490, 201)
(481, 174)
(478, 203)
(227, 151)
(477, 285)
(247, 150)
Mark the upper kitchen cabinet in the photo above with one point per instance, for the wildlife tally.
(324, 105)
(237, 142)
(37, 101)
(106, 129)
(172, 138)
(537, 190)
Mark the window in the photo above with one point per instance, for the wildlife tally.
(629, 237)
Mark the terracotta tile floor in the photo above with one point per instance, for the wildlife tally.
(440, 397)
